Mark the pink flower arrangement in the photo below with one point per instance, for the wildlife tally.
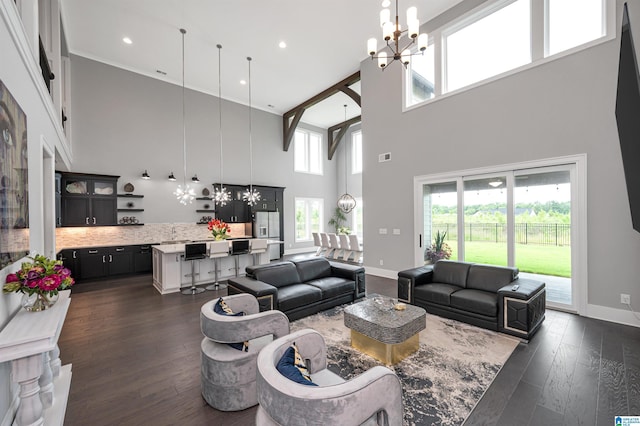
(42, 276)
(219, 229)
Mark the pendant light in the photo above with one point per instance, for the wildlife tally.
(251, 195)
(184, 193)
(346, 202)
(221, 195)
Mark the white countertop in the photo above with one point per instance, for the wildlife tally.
(179, 248)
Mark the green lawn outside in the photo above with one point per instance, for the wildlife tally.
(537, 259)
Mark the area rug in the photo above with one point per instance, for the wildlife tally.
(442, 381)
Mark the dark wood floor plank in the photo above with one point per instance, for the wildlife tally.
(556, 389)
(136, 361)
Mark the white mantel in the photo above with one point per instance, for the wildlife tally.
(29, 341)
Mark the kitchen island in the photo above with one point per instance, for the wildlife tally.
(171, 272)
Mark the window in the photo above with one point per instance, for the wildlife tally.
(308, 152)
(309, 217)
(574, 22)
(356, 220)
(356, 152)
(489, 46)
(501, 36)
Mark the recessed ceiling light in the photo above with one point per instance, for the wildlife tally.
(243, 82)
(127, 40)
(282, 45)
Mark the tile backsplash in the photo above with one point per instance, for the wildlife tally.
(75, 237)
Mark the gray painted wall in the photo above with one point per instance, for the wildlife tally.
(560, 108)
(124, 123)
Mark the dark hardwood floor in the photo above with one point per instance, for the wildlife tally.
(136, 361)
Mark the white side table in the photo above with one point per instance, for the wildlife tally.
(30, 342)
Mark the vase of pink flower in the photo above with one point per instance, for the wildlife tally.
(219, 229)
(39, 282)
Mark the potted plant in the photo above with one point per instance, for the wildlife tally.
(438, 250)
(337, 220)
(39, 282)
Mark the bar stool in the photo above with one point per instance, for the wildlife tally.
(324, 244)
(238, 247)
(193, 252)
(335, 249)
(217, 250)
(344, 245)
(317, 243)
(257, 247)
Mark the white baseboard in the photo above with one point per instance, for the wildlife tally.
(378, 272)
(620, 316)
(300, 250)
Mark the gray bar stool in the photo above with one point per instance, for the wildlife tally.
(193, 252)
(258, 246)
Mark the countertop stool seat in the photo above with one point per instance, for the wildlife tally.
(256, 247)
(193, 252)
(217, 250)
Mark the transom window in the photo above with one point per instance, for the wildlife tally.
(502, 36)
(309, 217)
(307, 152)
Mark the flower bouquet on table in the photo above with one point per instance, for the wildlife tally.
(219, 229)
(39, 282)
(438, 250)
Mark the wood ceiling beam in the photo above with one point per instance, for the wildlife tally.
(334, 140)
(291, 118)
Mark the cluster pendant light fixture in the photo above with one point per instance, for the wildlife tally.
(184, 193)
(391, 32)
(251, 195)
(346, 202)
(221, 194)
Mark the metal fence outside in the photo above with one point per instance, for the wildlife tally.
(556, 234)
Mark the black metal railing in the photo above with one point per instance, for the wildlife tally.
(556, 234)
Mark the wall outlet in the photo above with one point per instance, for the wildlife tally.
(396, 231)
(625, 299)
(381, 262)
(382, 231)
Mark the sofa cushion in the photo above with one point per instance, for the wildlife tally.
(310, 269)
(450, 272)
(490, 278)
(278, 274)
(297, 295)
(478, 301)
(333, 286)
(435, 293)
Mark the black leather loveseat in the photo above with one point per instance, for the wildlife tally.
(301, 288)
(482, 295)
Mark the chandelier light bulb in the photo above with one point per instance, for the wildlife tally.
(387, 30)
(372, 46)
(385, 16)
(382, 59)
(412, 13)
(185, 195)
(251, 196)
(346, 203)
(222, 196)
(423, 41)
(414, 28)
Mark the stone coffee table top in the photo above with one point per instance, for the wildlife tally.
(376, 317)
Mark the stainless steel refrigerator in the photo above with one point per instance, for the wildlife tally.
(267, 225)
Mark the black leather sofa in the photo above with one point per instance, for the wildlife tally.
(482, 295)
(301, 288)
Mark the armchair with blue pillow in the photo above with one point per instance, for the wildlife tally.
(233, 338)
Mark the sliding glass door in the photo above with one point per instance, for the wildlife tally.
(520, 217)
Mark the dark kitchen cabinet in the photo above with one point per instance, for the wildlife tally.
(142, 260)
(88, 200)
(236, 210)
(71, 261)
(103, 262)
(268, 199)
(58, 177)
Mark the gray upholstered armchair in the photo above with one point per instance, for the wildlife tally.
(374, 397)
(228, 375)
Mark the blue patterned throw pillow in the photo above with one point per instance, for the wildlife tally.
(293, 367)
(223, 309)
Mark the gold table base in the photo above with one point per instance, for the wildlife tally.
(388, 353)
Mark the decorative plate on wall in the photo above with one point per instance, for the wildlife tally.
(128, 187)
(206, 192)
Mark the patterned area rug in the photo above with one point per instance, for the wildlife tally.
(442, 382)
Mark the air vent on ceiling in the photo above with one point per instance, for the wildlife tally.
(384, 157)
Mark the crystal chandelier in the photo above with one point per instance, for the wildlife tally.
(251, 195)
(221, 195)
(392, 32)
(184, 193)
(346, 202)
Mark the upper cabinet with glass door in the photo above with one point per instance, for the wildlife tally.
(88, 200)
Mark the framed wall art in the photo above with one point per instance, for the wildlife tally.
(14, 180)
